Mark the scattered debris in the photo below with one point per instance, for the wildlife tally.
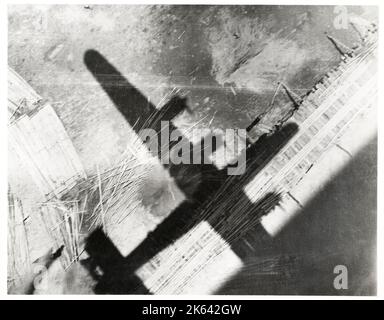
(54, 52)
(22, 98)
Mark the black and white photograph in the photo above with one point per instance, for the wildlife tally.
(191, 149)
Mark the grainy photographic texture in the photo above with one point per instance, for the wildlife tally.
(192, 149)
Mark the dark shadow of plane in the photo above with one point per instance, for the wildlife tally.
(118, 272)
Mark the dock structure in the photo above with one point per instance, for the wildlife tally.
(43, 167)
(39, 142)
(322, 120)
